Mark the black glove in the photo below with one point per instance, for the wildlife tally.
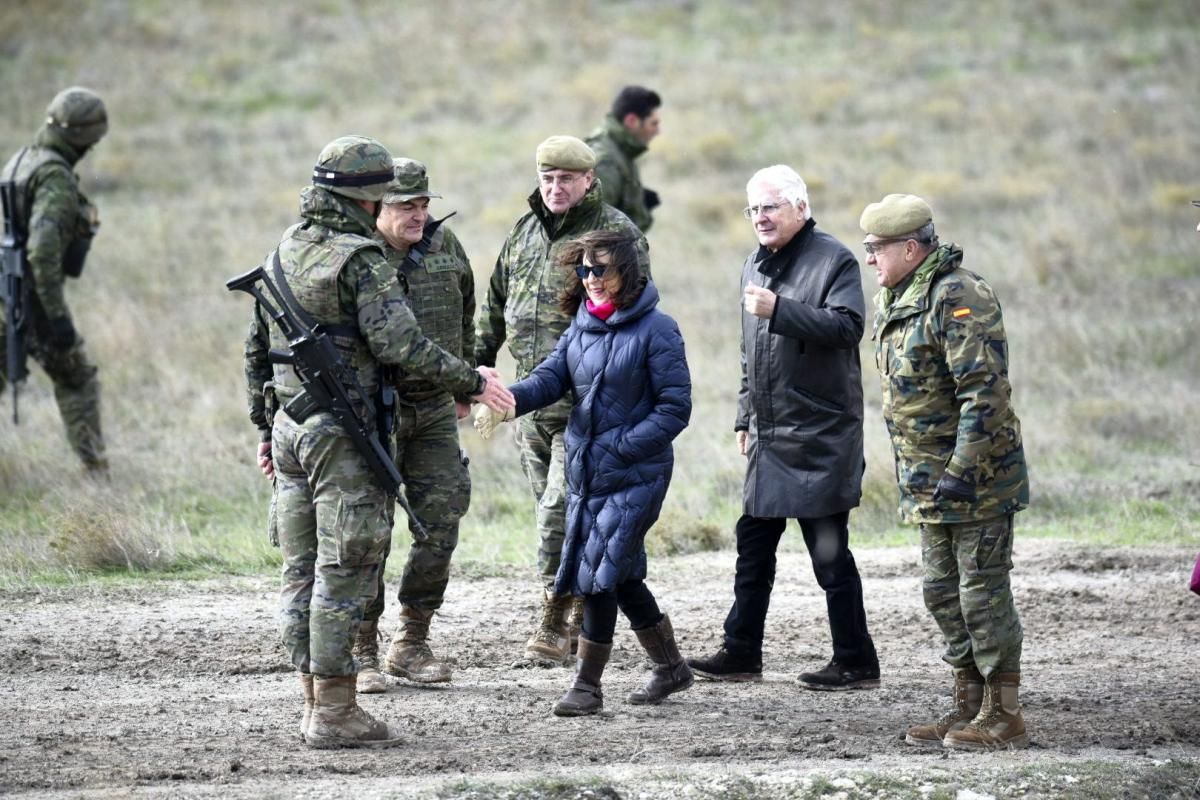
(61, 333)
(954, 489)
(650, 198)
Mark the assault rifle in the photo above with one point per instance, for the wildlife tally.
(323, 376)
(15, 288)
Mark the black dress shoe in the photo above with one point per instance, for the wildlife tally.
(837, 677)
(726, 666)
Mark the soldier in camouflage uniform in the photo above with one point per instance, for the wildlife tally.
(60, 223)
(943, 364)
(522, 307)
(622, 137)
(329, 514)
(441, 290)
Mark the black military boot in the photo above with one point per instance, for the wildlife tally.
(584, 697)
(726, 666)
(670, 674)
(836, 677)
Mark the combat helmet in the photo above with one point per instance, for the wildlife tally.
(78, 114)
(354, 166)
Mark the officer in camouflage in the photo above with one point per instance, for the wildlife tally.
(441, 291)
(60, 223)
(522, 307)
(623, 136)
(943, 365)
(329, 514)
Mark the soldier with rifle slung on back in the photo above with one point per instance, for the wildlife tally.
(335, 317)
(49, 226)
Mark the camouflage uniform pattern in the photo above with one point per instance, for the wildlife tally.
(332, 520)
(436, 482)
(58, 217)
(942, 357)
(616, 148)
(521, 307)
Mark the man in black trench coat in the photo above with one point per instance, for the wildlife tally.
(800, 426)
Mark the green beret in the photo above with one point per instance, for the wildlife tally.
(895, 215)
(565, 152)
(408, 181)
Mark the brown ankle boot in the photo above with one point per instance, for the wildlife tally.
(409, 655)
(999, 725)
(670, 674)
(306, 685)
(338, 721)
(968, 697)
(366, 653)
(584, 697)
(551, 642)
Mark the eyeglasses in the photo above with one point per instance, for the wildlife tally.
(597, 270)
(750, 212)
(874, 247)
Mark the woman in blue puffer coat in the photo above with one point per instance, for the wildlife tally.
(622, 362)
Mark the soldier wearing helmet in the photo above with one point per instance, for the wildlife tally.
(60, 223)
(331, 518)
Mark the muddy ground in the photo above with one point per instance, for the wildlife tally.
(180, 689)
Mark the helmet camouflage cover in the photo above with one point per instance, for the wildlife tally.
(79, 115)
(354, 166)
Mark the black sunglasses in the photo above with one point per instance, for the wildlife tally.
(582, 270)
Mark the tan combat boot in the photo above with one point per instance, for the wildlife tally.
(338, 721)
(584, 697)
(306, 684)
(968, 698)
(409, 655)
(670, 674)
(366, 653)
(999, 725)
(551, 642)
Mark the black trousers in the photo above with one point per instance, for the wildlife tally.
(600, 611)
(828, 542)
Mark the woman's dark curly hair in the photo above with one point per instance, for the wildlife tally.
(622, 251)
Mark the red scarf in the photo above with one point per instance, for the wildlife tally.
(603, 311)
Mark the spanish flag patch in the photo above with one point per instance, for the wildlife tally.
(959, 313)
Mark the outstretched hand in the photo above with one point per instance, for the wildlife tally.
(494, 395)
(486, 420)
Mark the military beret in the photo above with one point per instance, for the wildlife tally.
(565, 152)
(895, 215)
(408, 181)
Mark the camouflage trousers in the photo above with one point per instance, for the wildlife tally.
(540, 436)
(438, 487)
(76, 390)
(967, 590)
(334, 524)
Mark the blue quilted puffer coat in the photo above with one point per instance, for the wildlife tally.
(629, 380)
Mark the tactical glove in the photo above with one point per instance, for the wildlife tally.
(650, 198)
(61, 333)
(486, 420)
(954, 489)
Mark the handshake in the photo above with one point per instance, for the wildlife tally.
(496, 403)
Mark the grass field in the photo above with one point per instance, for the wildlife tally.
(1056, 143)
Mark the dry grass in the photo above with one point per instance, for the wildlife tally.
(1054, 141)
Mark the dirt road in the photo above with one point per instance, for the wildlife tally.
(180, 689)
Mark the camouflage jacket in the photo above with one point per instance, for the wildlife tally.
(943, 366)
(521, 305)
(338, 273)
(57, 213)
(441, 292)
(616, 148)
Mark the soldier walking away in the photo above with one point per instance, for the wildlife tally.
(800, 426)
(433, 268)
(943, 366)
(522, 308)
(330, 511)
(622, 137)
(55, 222)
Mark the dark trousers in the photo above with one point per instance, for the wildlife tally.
(828, 542)
(600, 611)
